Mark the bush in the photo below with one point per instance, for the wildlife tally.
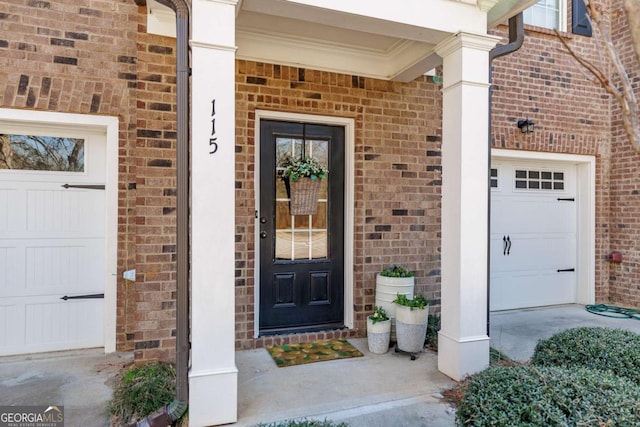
(142, 390)
(549, 396)
(433, 326)
(614, 350)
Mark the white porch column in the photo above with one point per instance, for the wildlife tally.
(213, 378)
(463, 344)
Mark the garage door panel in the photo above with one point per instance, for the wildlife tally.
(531, 289)
(11, 328)
(515, 214)
(8, 216)
(524, 253)
(67, 212)
(63, 324)
(39, 268)
(10, 267)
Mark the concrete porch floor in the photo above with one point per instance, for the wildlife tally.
(374, 390)
(390, 389)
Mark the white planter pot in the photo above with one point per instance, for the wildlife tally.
(378, 336)
(388, 288)
(411, 328)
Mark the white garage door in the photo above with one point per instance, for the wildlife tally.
(52, 240)
(533, 234)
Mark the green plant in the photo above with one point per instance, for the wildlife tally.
(433, 326)
(305, 423)
(379, 315)
(142, 390)
(548, 396)
(395, 270)
(418, 301)
(295, 169)
(615, 350)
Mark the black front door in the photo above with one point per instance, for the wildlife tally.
(301, 256)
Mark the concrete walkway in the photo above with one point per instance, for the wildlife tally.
(80, 381)
(517, 332)
(370, 391)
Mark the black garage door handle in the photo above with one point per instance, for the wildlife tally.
(88, 296)
(565, 270)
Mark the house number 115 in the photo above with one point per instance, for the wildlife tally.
(213, 139)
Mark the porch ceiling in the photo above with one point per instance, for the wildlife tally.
(362, 38)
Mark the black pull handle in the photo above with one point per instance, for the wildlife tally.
(504, 245)
(263, 234)
(565, 270)
(89, 296)
(508, 245)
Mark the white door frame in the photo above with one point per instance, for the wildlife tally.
(586, 212)
(349, 174)
(109, 127)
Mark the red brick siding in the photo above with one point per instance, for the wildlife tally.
(624, 226)
(154, 291)
(397, 177)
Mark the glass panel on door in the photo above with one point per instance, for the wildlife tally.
(300, 237)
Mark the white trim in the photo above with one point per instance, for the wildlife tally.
(586, 211)
(109, 127)
(349, 187)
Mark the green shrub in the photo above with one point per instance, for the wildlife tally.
(548, 396)
(615, 350)
(305, 423)
(142, 390)
(433, 326)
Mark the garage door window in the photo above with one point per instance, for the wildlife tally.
(494, 178)
(41, 153)
(539, 180)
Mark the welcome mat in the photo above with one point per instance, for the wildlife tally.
(314, 351)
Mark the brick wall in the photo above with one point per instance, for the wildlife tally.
(78, 56)
(155, 186)
(397, 177)
(625, 183)
(542, 82)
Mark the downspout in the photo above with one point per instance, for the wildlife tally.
(181, 8)
(516, 38)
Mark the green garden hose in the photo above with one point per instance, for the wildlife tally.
(613, 311)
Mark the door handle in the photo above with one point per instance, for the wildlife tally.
(565, 270)
(88, 296)
(263, 234)
(504, 245)
(508, 245)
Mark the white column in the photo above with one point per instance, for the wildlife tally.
(213, 377)
(463, 344)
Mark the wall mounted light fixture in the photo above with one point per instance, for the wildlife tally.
(526, 126)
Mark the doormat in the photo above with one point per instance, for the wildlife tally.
(309, 352)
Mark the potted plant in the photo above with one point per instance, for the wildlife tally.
(302, 178)
(412, 316)
(394, 279)
(378, 331)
